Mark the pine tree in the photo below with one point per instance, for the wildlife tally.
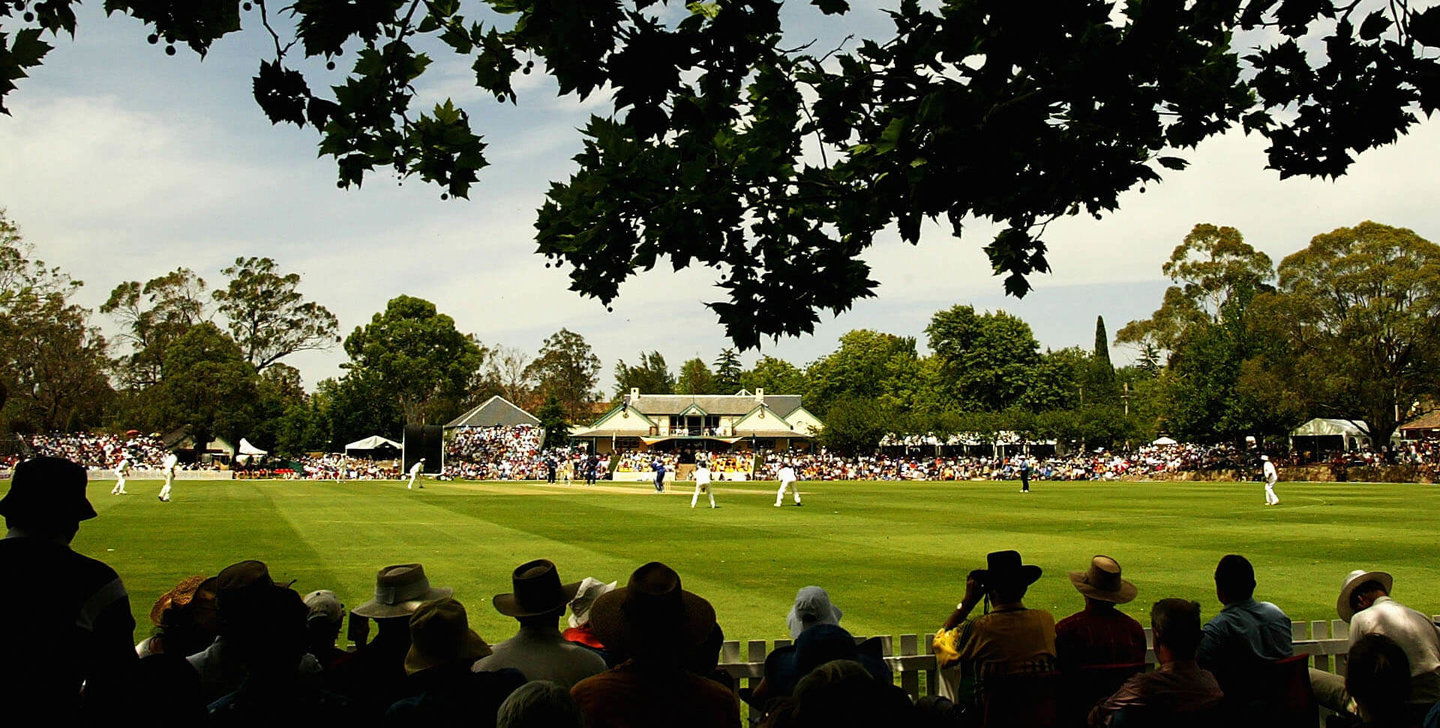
(727, 372)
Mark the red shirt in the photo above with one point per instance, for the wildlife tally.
(1098, 636)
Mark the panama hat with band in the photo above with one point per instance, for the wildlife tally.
(399, 591)
(1355, 580)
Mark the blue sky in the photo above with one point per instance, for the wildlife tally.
(121, 163)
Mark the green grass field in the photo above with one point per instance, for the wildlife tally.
(893, 555)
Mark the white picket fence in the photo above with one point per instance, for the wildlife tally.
(910, 657)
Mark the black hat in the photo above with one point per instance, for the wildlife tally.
(1004, 567)
(536, 590)
(48, 490)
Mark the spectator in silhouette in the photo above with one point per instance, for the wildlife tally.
(844, 693)
(1100, 634)
(373, 676)
(1012, 639)
(185, 619)
(267, 626)
(66, 619)
(538, 650)
(443, 690)
(219, 665)
(322, 626)
(1246, 634)
(1179, 688)
(539, 704)
(658, 624)
(1378, 677)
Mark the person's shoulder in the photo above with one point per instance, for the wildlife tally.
(1270, 609)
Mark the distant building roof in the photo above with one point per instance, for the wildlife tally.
(495, 412)
(715, 404)
(1427, 421)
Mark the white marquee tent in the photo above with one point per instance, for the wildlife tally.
(373, 442)
(1322, 431)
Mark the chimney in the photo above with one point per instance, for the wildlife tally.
(760, 395)
(634, 395)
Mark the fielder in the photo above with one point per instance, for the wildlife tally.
(171, 461)
(121, 470)
(415, 473)
(1270, 477)
(702, 483)
(787, 480)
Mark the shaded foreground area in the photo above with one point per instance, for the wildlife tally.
(892, 555)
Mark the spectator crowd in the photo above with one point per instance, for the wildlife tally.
(101, 451)
(240, 647)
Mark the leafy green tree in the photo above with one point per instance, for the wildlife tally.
(1209, 324)
(774, 375)
(153, 316)
(651, 376)
(1058, 380)
(695, 378)
(303, 428)
(866, 365)
(1099, 380)
(509, 369)
(209, 387)
(356, 406)
(1360, 309)
(279, 391)
(727, 372)
(987, 358)
(568, 370)
(707, 155)
(268, 316)
(855, 425)
(421, 360)
(552, 418)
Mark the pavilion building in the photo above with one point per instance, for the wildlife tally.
(709, 422)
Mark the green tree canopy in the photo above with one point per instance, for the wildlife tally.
(695, 378)
(1360, 309)
(773, 375)
(208, 387)
(267, 315)
(727, 372)
(153, 315)
(961, 109)
(568, 370)
(986, 358)
(651, 376)
(867, 365)
(552, 418)
(423, 362)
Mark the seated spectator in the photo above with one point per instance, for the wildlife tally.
(185, 620)
(322, 626)
(579, 631)
(1365, 603)
(538, 650)
(1100, 647)
(165, 689)
(1238, 642)
(844, 693)
(219, 665)
(1179, 690)
(812, 606)
(539, 704)
(443, 690)
(267, 626)
(1011, 640)
(71, 624)
(373, 676)
(785, 667)
(1378, 677)
(657, 623)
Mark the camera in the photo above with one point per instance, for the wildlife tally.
(978, 575)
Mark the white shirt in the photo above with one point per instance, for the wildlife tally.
(1270, 474)
(1413, 631)
(415, 469)
(702, 476)
(123, 467)
(787, 474)
(171, 461)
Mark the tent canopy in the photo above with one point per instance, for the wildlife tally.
(247, 449)
(1164, 441)
(494, 412)
(1323, 426)
(373, 442)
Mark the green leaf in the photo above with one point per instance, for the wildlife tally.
(890, 138)
(1173, 162)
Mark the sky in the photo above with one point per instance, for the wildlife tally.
(120, 163)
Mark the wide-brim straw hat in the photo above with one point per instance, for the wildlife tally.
(536, 590)
(440, 634)
(399, 591)
(1355, 579)
(652, 612)
(590, 590)
(1004, 567)
(1102, 582)
(178, 597)
(47, 490)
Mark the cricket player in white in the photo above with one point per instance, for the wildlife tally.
(1270, 477)
(415, 473)
(171, 461)
(121, 470)
(702, 483)
(787, 480)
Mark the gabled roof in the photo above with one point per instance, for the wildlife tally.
(694, 410)
(1427, 421)
(713, 404)
(495, 412)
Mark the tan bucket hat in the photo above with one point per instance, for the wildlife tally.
(399, 591)
(439, 634)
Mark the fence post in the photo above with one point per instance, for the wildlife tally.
(1320, 630)
(909, 679)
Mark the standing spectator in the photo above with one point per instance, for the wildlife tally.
(659, 625)
(1246, 634)
(539, 650)
(1179, 687)
(77, 629)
